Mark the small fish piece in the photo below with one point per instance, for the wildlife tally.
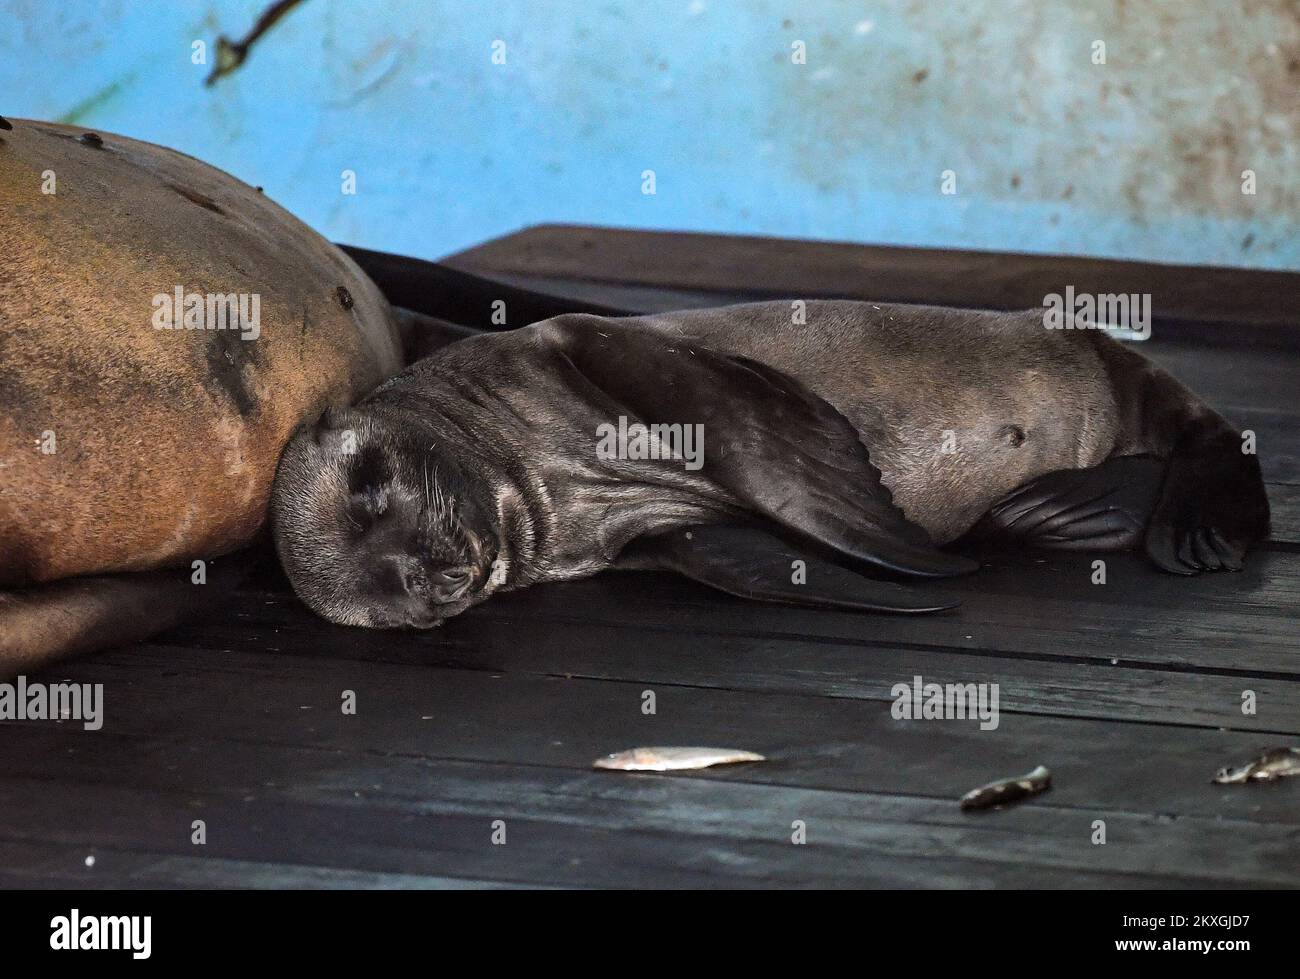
(1008, 790)
(672, 759)
(1272, 765)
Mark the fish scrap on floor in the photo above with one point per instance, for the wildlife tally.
(672, 759)
(1008, 790)
(1272, 765)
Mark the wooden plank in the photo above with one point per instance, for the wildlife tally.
(1020, 606)
(1284, 502)
(782, 267)
(35, 864)
(829, 732)
(1055, 685)
(560, 852)
(395, 814)
(1240, 379)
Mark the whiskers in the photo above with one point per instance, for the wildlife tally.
(440, 507)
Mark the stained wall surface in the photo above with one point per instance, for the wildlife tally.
(1046, 148)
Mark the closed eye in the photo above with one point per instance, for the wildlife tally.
(364, 508)
(375, 500)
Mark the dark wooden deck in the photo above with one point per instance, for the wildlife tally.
(1130, 692)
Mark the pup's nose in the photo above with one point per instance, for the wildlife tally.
(423, 620)
(449, 584)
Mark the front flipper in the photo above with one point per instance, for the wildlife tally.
(1101, 508)
(752, 563)
(768, 441)
(1212, 507)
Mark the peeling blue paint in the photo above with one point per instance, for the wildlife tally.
(1141, 157)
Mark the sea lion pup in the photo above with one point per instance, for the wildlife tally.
(865, 437)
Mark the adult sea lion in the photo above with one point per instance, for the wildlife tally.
(870, 434)
(131, 441)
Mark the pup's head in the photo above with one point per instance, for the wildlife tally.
(375, 526)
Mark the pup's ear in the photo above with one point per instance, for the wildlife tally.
(365, 464)
(335, 433)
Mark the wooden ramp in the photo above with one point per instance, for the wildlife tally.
(1131, 693)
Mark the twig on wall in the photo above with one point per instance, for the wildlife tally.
(232, 54)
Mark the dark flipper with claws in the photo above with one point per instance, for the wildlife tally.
(1103, 508)
(1194, 512)
(1212, 506)
(750, 562)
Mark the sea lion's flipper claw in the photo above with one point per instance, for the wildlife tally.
(769, 443)
(1229, 557)
(750, 562)
(1104, 507)
(1162, 549)
(1212, 503)
(1203, 552)
(1187, 552)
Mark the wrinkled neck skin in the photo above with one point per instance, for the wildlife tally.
(559, 511)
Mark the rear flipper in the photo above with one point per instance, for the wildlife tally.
(45, 623)
(1197, 511)
(1212, 506)
(1102, 508)
(750, 562)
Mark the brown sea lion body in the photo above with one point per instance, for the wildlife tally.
(164, 440)
(129, 448)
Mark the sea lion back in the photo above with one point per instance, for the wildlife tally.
(957, 407)
(132, 436)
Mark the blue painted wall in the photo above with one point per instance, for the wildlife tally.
(1138, 157)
